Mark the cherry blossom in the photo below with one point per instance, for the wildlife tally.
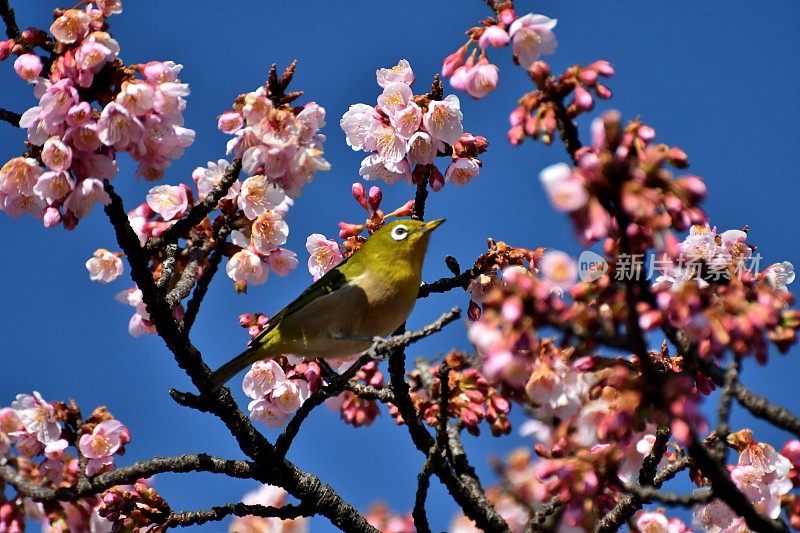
(101, 444)
(104, 266)
(325, 255)
(38, 417)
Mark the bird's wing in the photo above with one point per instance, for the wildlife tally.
(333, 280)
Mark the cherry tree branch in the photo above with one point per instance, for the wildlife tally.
(306, 487)
(10, 117)
(217, 513)
(128, 475)
(7, 14)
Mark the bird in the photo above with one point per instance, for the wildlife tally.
(365, 297)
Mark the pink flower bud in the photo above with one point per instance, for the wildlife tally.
(473, 311)
(28, 66)
(583, 99)
(507, 16)
(693, 185)
(459, 78)
(253, 331)
(375, 196)
(5, 49)
(603, 68)
(646, 133)
(678, 157)
(262, 320)
(51, 217)
(349, 230)
(453, 61)
(493, 36)
(602, 91)
(539, 71)
(246, 319)
(405, 210)
(360, 195)
(33, 36)
(517, 116)
(436, 179)
(588, 77)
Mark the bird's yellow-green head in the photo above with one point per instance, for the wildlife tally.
(399, 244)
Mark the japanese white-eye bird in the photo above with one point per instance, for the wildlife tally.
(368, 295)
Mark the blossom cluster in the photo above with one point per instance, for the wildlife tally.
(531, 36)
(471, 400)
(35, 436)
(91, 107)
(277, 393)
(706, 291)
(761, 473)
(269, 496)
(405, 133)
(382, 518)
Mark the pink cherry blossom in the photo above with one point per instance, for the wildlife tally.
(779, 275)
(28, 66)
(374, 167)
(532, 36)
(420, 149)
(101, 444)
(290, 394)
(481, 79)
(559, 269)
(262, 378)
(395, 97)
(460, 171)
(37, 417)
(139, 323)
(56, 101)
(258, 195)
(325, 255)
(208, 177)
(119, 128)
(230, 122)
(443, 119)
(169, 201)
(84, 196)
(657, 522)
(247, 266)
(406, 121)
(71, 26)
(109, 7)
(565, 191)
(56, 155)
(282, 261)
(267, 412)
(495, 36)
(401, 73)
(358, 123)
(269, 231)
(104, 266)
(136, 96)
(19, 175)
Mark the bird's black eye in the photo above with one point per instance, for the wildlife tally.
(399, 233)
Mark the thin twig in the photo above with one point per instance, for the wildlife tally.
(220, 512)
(700, 496)
(447, 284)
(209, 271)
(129, 474)
(167, 266)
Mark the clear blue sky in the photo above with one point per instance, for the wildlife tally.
(718, 79)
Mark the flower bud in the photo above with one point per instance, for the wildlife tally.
(375, 197)
(349, 230)
(51, 217)
(678, 157)
(5, 49)
(603, 68)
(539, 71)
(360, 195)
(453, 61)
(246, 320)
(602, 91)
(583, 99)
(588, 77)
(28, 66)
(493, 36)
(507, 16)
(436, 179)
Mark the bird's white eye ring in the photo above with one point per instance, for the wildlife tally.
(399, 233)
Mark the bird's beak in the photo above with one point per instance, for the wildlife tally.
(432, 225)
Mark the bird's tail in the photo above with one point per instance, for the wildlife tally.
(224, 373)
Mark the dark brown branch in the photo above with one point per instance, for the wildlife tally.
(217, 513)
(724, 410)
(167, 266)
(199, 211)
(423, 483)
(209, 271)
(421, 197)
(447, 284)
(188, 277)
(129, 474)
(7, 14)
(630, 502)
(468, 496)
(368, 392)
(9, 116)
(724, 489)
(763, 408)
(543, 514)
(700, 496)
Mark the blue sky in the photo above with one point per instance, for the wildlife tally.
(719, 80)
